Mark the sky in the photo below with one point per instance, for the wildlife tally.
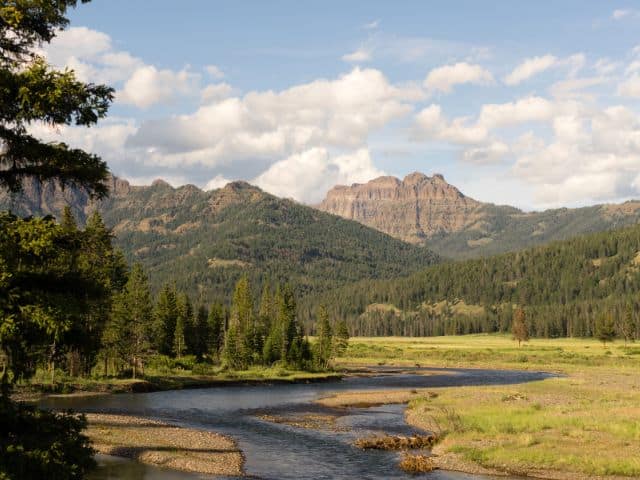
(532, 104)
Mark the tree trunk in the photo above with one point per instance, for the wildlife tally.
(134, 367)
(52, 363)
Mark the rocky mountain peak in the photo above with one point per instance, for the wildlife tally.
(412, 209)
(159, 182)
(415, 178)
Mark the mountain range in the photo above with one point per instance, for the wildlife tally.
(428, 211)
(203, 241)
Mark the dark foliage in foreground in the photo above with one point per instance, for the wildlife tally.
(36, 444)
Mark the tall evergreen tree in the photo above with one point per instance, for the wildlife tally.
(272, 350)
(68, 221)
(217, 318)
(324, 342)
(179, 338)
(134, 313)
(100, 261)
(341, 338)
(165, 318)
(202, 334)
(186, 321)
(243, 320)
(233, 354)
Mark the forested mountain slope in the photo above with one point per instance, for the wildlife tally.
(564, 288)
(203, 241)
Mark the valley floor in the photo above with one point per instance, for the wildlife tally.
(585, 423)
(582, 424)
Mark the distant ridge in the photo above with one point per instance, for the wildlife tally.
(205, 240)
(429, 211)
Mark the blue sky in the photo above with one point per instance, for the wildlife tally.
(534, 104)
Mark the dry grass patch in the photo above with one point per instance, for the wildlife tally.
(313, 421)
(374, 399)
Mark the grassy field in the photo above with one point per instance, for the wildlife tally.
(491, 351)
(585, 424)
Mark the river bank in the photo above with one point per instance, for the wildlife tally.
(158, 443)
(158, 383)
(280, 426)
(583, 424)
(580, 425)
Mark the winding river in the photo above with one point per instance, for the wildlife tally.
(279, 451)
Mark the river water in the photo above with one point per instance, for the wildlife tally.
(278, 451)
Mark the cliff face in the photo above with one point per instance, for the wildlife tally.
(49, 199)
(413, 209)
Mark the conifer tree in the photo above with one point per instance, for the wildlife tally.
(272, 350)
(233, 354)
(264, 320)
(341, 338)
(165, 318)
(627, 325)
(605, 330)
(295, 347)
(324, 341)
(68, 222)
(201, 333)
(113, 340)
(243, 320)
(99, 260)
(217, 317)
(519, 327)
(287, 320)
(133, 311)
(265, 312)
(179, 341)
(186, 321)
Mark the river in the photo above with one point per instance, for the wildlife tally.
(278, 451)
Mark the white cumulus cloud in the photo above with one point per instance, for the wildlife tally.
(263, 126)
(149, 86)
(308, 175)
(358, 56)
(530, 67)
(443, 79)
(431, 124)
(214, 71)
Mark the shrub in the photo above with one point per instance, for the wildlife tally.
(41, 444)
(416, 463)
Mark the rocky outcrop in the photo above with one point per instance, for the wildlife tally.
(413, 209)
